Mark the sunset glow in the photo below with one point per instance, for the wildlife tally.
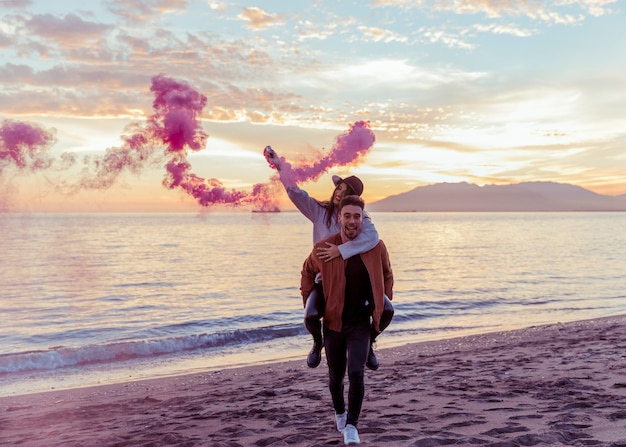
(474, 91)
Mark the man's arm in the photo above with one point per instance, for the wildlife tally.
(387, 272)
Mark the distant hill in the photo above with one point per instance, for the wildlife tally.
(529, 196)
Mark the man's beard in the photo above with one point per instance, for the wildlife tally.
(351, 232)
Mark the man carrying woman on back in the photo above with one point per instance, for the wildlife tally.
(324, 216)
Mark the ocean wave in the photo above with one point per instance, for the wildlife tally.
(62, 357)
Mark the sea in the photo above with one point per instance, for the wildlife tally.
(92, 299)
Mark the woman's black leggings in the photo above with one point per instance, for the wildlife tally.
(313, 312)
(385, 319)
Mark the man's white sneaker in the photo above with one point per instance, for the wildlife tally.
(341, 421)
(351, 435)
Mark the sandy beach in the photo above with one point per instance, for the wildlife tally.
(561, 384)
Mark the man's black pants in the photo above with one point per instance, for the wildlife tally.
(347, 349)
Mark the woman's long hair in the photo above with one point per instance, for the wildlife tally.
(329, 205)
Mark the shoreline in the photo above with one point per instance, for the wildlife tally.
(554, 384)
(163, 367)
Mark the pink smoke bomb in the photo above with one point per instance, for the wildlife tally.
(268, 152)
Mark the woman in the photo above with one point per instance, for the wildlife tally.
(323, 215)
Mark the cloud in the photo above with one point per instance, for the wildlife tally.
(557, 12)
(16, 4)
(80, 78)
(70, 71)
(85, 91)
(509, 29)
(439, 35)
(382, 35)
(308, 30)
(391, 74)
(70, 30)
(5, 40)
(138, 11)
(259, 19)
(217, 6)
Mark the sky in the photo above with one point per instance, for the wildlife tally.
(478, 91)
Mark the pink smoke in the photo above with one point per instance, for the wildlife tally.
(178, 106)
(177, 109)
(349, 149)
(165, 139)
(176, 122)
(173, 125)
(25, 146)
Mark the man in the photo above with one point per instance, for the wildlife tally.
(355, 291)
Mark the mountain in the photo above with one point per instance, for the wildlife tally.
(528, 196)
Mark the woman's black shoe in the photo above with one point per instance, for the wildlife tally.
(315, 356)
(372, 361)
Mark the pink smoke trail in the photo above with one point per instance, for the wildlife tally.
(349, 149)
(25, 146)
(177, 109)
(173, 125)
(166, 138)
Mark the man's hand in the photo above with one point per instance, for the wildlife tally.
(328, 253)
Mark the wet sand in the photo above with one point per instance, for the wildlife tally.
(557, 385)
